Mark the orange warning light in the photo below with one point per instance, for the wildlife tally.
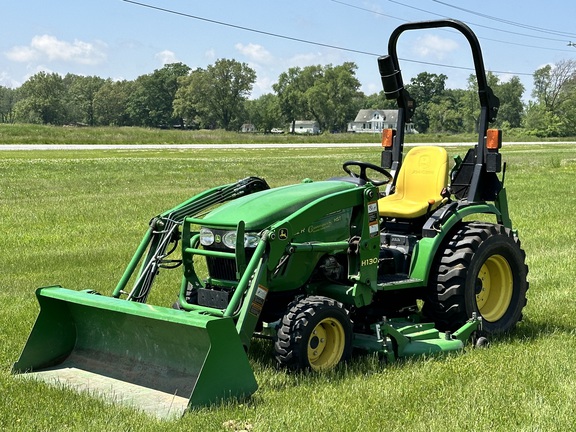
(493, 139)
(388, 137)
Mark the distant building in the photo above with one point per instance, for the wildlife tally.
(247, 128)
(373, 121)
(306, 127)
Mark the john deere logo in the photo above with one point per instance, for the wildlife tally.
(283, 234)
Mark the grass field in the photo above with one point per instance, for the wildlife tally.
(45, 134)
(75, 218)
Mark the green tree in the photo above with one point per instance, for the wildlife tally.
(216, 95)
(541, 122)
(552, 113)
(8, 99)
(568, 109)
(377, 101)
(550, 82)
(151, 101)
(511, 110)
(291, 90)
(110, 103)
(328, 94)
(334, 97)
(426, 89)
(81, 94)
(445, 114)
(264, 112)
(188, 100)
(43, 99)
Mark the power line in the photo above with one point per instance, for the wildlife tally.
(368, 10)
(505, 21)
(473, 24)
(248, 29)
(280, 36)
(480, 25)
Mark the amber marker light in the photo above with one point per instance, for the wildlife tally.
(387, 137)
(493, 139)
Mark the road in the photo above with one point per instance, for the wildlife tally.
(20, 147)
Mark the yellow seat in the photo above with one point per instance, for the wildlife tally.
(421, 179)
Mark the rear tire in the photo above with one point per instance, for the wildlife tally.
(482, 270)
(316, 333)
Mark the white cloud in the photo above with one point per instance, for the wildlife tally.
(371, 88)
(46, 47)
(33, 70)
(505, 77)
(311, 59)
(210, 54)
(256, 53)
(434, 46)
(7, 81)
(262, 86)
(22, 54)
(166, 57)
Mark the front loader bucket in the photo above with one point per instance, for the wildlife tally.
(156, 359)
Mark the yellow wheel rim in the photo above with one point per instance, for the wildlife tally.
(495, 294)
(326, 344)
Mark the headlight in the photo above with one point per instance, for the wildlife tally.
(250, 240)
(229, 239)
(206, 237)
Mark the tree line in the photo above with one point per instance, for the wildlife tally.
(218, 97)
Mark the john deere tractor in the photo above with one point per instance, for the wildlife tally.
(413, 256)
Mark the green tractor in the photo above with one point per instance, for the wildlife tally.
(396, 259)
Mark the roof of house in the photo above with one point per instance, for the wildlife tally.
(365, 115)
(305, 122)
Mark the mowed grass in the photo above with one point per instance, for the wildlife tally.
(75, 219)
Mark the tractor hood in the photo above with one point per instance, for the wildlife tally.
(261, 209)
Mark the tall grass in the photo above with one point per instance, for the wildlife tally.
(42, 134)
(75, 218)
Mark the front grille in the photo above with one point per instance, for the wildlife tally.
(221, 268)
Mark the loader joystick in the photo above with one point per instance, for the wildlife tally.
(363, 167)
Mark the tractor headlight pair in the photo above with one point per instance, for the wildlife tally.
(250, 240)
(228, 238)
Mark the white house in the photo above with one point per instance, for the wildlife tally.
(374, 121)
(248, 128)
(306, 127)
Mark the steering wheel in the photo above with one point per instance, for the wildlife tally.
(363, 167)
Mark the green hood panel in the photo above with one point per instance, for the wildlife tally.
(261, 209)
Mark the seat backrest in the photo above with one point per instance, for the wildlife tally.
(424, 173)
(421, 179)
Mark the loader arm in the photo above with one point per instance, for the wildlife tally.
(164, 230)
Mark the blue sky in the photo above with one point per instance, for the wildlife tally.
(122, 40)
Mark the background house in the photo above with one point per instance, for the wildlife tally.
(306, 127)
(374, 120)
(247, 128)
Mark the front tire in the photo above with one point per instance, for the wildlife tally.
(481, 270)
(316, 333)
